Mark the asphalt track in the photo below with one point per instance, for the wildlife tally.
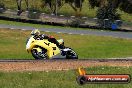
(127, 35)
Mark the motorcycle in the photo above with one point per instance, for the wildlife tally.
(44, 49)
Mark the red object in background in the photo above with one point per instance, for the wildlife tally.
(51, 36)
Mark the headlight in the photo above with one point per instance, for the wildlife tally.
(28, 42)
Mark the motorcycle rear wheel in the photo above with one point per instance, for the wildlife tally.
(71, 54)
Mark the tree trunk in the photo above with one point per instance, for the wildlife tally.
(27, 4)
(19, 7)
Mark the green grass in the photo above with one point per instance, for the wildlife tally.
(12, 44)
(33, 25)
(59, 79)
(13, 23)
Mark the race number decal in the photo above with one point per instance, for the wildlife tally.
(47, 43)
(54, 48)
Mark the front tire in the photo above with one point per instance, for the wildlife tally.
(39, 55)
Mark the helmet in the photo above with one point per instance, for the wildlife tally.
(35, 32)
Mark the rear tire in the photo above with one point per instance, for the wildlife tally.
(39, 55)
(71, 54)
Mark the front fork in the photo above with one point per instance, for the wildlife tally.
(38, 49)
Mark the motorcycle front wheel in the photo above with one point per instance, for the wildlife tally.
(39, 55)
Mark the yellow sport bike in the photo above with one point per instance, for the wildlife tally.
(44, 49)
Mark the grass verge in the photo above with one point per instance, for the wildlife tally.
(13, 42)
(38, 25)
(59, 79)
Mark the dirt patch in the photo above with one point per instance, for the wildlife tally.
(57, 65)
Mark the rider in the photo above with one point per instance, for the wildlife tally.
(37, 35)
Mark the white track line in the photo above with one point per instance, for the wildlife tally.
(58, 32)
(47, 31)
(70, 33)
(23, 29)
(81, 34)
(12, 28)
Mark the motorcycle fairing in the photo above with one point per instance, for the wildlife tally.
(51, 48)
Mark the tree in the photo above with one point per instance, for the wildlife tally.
(107, 9)
(19, 7)
(76, 5)
(124, 5)
(107, 15)
(54, 5)
(2, 6)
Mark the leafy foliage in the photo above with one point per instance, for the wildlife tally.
(53, 5)
(94, 3)
(75, 4)
(126, 6)
(108, 12)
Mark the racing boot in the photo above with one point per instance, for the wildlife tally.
(61, 43)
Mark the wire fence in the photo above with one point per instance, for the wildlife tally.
(67, 20)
